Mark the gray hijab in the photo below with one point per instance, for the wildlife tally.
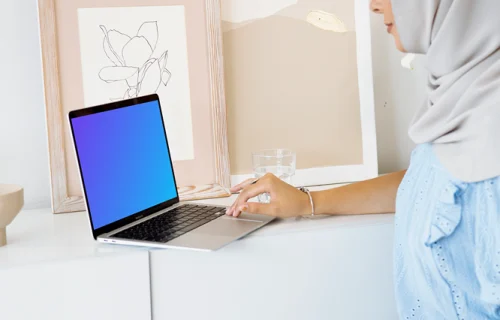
(461, 114)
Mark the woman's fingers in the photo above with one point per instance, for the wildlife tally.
(255, 208)
(242, 185)
(250, 191)
(246, 194)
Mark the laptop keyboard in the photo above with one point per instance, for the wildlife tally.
(172, 224)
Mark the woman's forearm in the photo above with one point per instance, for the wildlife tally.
(367, 197)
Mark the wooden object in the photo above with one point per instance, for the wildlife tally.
(11, 202)
(65, 196)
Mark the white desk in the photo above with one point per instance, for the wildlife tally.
(327, 268)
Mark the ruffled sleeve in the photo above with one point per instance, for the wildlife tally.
(448, 213)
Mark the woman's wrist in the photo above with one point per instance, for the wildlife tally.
(324, 202)
(305, 205)
(318, 200)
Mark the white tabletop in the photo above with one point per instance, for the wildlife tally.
(336, 267)
(37, 236)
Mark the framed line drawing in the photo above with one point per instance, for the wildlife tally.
(299, 77)
(94, 52)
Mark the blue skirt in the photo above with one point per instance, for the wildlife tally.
(447, 244)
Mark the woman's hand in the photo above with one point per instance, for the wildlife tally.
(286, 200)
(371, 196)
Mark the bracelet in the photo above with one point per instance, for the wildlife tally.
(305, 190)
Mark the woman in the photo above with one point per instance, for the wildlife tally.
(447, 204)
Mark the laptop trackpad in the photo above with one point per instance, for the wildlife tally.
(227, 226)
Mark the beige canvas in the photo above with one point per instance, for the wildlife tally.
(189, 172)
(291, 84)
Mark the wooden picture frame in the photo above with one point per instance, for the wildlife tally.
(66, 200)
(284, 32)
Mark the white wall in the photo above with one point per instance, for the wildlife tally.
(23, 145)
(398, 93)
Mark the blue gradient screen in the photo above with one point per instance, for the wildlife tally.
(124, 161)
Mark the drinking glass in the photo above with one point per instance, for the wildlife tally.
(280, 162)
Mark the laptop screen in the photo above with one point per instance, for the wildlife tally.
(124, 161)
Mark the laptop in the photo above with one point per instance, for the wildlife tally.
(129, 183)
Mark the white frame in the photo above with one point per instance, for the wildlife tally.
(369, 168)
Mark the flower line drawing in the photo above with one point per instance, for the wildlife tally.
(133, 60)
